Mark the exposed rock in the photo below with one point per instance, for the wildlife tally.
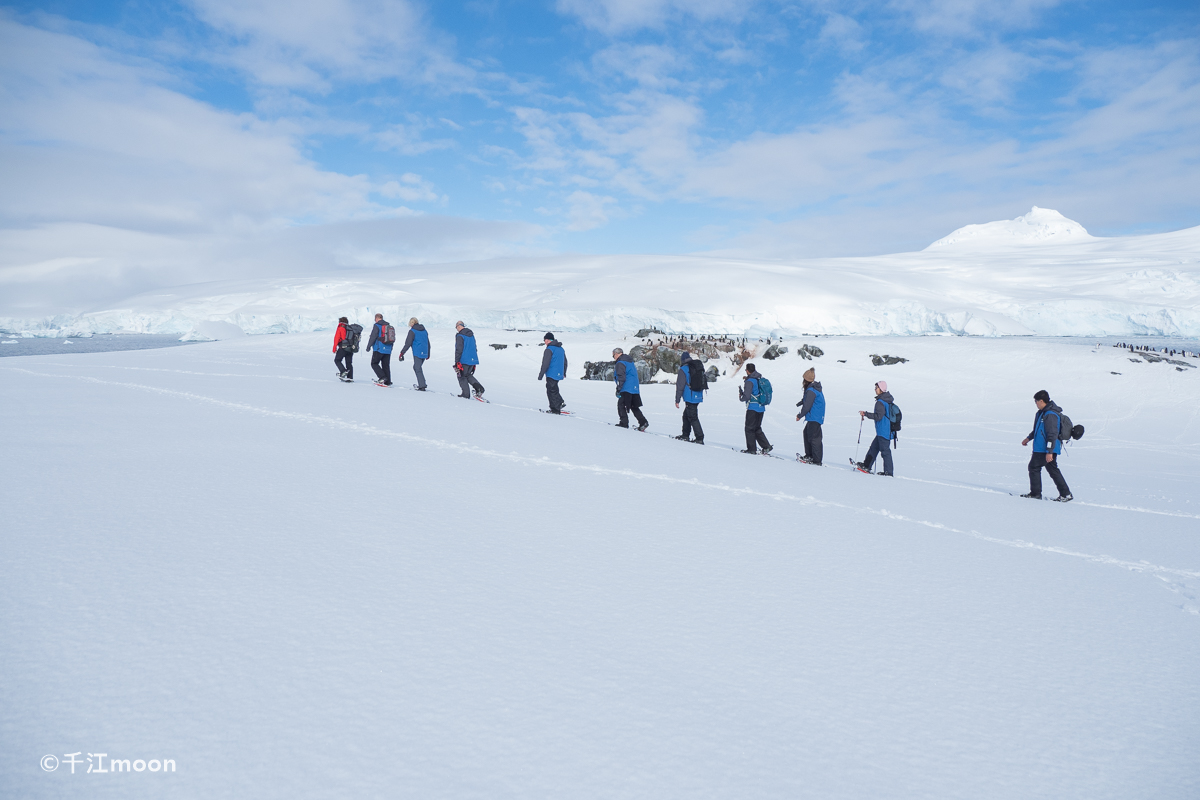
(499, 346)
(774, 352)
(712, 374)
(809, 351)
(886, 360)
(668, 360)
(1153, 359)
(645, 333)
(604, 370)
(598, 370)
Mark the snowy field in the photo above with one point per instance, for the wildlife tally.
(294, 587)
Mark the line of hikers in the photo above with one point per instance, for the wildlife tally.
(1050, 427)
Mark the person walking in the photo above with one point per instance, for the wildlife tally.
(1047, 437)
(812, 407)
(755, 393)
(345, 345)
(466, 358)
(882, 443)
(554, 369)
(629, 390)
(383, 336)
(418, 341)
(690, 383)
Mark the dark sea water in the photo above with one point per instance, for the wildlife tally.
(10, 346)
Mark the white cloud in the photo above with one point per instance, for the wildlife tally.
(615, 16)
(406, 139)
(114, 182)
(972, 17)
(587, 210)
(411, 188)
(310, 45)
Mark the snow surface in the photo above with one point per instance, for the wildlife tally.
(297, 588)
(1039, 274)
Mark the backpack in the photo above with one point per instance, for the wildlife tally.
(697, 381)
(353, 334)
(764, 391)
(1067, 429)
(388, 335)
(895, 417)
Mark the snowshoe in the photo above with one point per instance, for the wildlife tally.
(750, 452)
(643, 426)
(1066, 498)
(860, 466)
(1032, 496)
(767, 450)
(619, 425)
(697, 441)
(683, 438)
(418, 388)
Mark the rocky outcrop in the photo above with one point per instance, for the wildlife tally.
(499, 346)
(645, 333)
(808, 352)
(885, 360)
(712, 374)
(603, 370)
(774, 351)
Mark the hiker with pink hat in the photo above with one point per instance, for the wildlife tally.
(882, 415)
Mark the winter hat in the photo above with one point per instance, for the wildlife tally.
(685, 357)
(882, 386)
(549, 337)
(810, 375)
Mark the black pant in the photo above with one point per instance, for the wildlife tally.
(628, 401)
(1035, 475)
(348, 367)
(382, 364)
(754, 433)
(691, 421)
(420, 373)
(467, 381)
(880, 446)
(553, 395)
(814, 450)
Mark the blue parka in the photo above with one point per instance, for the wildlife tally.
(376, 341)
(813, 405)
(418, 340)
(554, 361)
(1046, 431)
(626, 376)
(683, 383)
(464, 347)
(883, 405)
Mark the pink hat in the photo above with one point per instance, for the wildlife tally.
(882, 385)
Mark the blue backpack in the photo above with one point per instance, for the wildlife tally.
(764, 391)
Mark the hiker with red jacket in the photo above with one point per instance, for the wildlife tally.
(345, 343)
(383, 336)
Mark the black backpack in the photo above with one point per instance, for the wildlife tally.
(353, 335)
(697, 380)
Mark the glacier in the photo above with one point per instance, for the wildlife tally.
(1040, 274)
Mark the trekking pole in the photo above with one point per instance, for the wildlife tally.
(859, 444)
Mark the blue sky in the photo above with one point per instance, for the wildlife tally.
(158, 136)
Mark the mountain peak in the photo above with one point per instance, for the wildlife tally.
(1039, 226)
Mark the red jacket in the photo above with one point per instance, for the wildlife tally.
(339, 336)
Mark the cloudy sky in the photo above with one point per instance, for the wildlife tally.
(147, 143)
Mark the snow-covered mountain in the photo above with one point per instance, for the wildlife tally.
(1038, 274)
(1039, 226)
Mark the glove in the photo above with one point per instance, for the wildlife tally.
(401, 358)
(798, 417)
